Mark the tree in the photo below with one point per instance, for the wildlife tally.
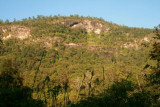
(153, 78)
(155, 55)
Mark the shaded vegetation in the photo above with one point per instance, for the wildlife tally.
(120, 94)
(12, 91)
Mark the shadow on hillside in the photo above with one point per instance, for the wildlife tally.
(18, 97)
(12, 91)
(120, 94)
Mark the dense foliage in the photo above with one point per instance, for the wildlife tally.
(65, 66)
(12, 91)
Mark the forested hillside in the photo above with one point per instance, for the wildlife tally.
(59, 61)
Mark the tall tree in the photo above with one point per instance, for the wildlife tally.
(153, 78)
(155, 55)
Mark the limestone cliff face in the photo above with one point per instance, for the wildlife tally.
(91, 26)
(20, 32)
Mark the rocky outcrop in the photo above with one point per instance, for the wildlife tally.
(20, 32)
(136, 44)
(91, 26)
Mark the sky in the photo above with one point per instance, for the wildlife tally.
(132, 13)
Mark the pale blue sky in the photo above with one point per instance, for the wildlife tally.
(134, 13)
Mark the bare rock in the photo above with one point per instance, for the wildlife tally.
(91, 26)
(19, 32)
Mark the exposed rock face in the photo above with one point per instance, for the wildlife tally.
(4, 30)
(72, 45)
(136, 43)
(20, 32)
(90, 26)
(146, 39)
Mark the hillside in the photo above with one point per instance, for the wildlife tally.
(66, 60)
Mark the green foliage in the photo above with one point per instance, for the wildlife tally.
(153, 76)
(50, 30)
(64, 66)
(156, 47)
(77, 36)
(155, 55)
